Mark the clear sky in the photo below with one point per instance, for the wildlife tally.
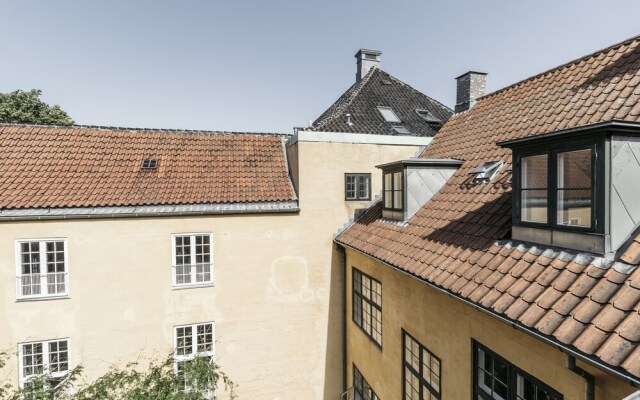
(269, 65)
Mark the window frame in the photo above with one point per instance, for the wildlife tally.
(513, 372)
(390, 109)
(393, 171)
(44, 280)
(365, 384)
(371, 302)
(22, 380)
(358, 176)
(193, 270)
(598, 171)
(419, 374)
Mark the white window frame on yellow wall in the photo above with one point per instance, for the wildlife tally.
(45, 362)
(42, 284)
(196, 271)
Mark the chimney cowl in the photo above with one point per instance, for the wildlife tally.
(469, 87)
(367, 59)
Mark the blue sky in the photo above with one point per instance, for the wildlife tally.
(271, 65)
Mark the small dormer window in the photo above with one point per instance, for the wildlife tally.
(388, 114)
(149, 163)
(485, 172)
(427, 116)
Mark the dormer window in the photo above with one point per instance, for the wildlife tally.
(577, 188)
(388, 114)
(407, 185)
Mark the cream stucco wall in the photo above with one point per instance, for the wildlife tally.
(276, 301)
(446, 326)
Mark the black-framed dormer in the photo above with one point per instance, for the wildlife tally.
(569, 187)
(408, 184)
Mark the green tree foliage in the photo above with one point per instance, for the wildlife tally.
(197, 380)
(22, 107)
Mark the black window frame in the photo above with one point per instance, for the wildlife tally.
(358, 176)
(356, 295)
(419, 374)
(365, 385)
(392, 190)
(598, 168)
(513, 372)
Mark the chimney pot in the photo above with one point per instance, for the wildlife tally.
(367, 59)
(470, 86)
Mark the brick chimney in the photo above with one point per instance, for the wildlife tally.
(366, 60)
(470, 86)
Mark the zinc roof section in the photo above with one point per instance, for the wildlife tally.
(53, 166)
(379, 89)
(460, 237)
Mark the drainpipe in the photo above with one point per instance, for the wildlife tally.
(343, 265)
(589, 379)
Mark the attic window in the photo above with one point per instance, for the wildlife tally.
(149, 163)
(485, 172)
(388, 114)
(428, 117)
(386, 82)
(401, 130)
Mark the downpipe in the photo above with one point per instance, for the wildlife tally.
(589, 379)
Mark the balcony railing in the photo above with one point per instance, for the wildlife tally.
(42, 285)
(193, 274)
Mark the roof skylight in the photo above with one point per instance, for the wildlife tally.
(149, 163)
(401, 130)
(485, 172)
(388, 114)
(428, 117)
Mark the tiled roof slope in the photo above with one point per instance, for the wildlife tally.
(378, 88)
(94, 167)
(459, 240)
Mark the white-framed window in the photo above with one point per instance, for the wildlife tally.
(192, 259)
(41, 267)
(191, 341)
(50, 358)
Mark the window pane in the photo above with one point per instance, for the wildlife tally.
(574, 169)
(534, 206)
(574, 207)
(397, 181)
(534, 172)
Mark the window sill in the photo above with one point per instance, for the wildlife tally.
(193, 286)
(42, 298)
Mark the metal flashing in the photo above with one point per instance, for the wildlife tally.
(148, 211)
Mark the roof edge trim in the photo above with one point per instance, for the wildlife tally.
(424, 162)
(150, 130)
(623, 126)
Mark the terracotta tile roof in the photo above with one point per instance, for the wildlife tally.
(378, 88)
(459, 241)
(94, 167)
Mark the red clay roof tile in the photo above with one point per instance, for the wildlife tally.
(98, 167)
(569, 293)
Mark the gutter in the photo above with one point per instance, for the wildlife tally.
(562, 347)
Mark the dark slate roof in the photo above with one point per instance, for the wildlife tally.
(460, 240)
(378, 88)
